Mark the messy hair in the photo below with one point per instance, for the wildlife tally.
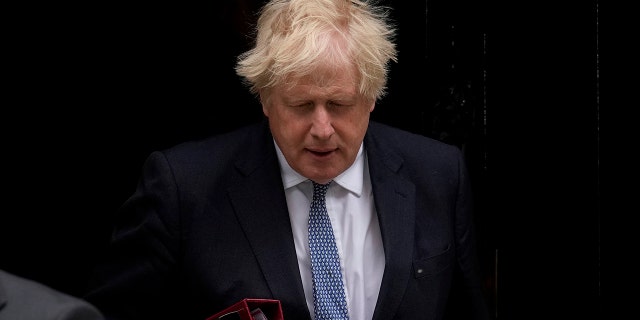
(295, 38)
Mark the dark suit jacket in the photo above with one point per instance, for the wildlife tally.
(25, 299)
(208, 225)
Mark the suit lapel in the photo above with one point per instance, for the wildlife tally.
(394, 199)
(261, 209)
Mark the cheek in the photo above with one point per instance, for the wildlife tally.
(358, 119)
(288, 128)
(292, 130)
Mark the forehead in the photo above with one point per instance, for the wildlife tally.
(324, 76)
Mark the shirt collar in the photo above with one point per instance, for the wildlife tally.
(351, 179)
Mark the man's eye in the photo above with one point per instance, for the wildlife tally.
(337, 104)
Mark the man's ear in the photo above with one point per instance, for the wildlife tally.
(264, 102)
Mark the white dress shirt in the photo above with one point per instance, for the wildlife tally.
(355, 225)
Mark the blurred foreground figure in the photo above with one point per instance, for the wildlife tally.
(25, 299)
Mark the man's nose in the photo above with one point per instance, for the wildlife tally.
(322, 126)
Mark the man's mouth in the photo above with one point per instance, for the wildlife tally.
(320, 153)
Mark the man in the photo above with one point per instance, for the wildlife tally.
(228, 217)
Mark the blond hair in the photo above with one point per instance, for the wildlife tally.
(295, 38)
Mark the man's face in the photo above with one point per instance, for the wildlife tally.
(319, 126)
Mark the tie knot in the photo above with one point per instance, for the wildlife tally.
(319, 190)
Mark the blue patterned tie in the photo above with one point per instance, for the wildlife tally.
(328, 292)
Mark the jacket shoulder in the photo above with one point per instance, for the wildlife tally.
(406, 143)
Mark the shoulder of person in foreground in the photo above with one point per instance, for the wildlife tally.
(25, 299)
